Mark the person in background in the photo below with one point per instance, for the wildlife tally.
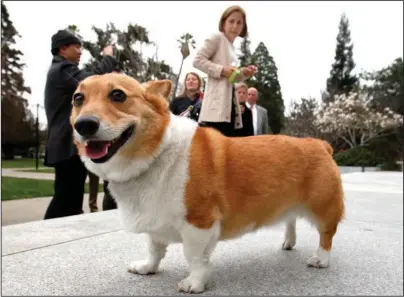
(259, 113)
(189, 101)
(246, 114)
(61, 153)
(218, 59)
(108, 202)
(93, 189)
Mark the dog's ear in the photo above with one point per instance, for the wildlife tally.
(158, 87)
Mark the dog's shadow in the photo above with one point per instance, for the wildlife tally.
(262, 271)
(268, 271)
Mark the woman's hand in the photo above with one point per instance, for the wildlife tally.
(228, 70)
(250, 70)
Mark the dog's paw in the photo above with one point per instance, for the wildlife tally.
(318, 262)
(191, 285)
(288, 244)
(141, 267)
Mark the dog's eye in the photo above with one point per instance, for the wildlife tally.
(78, 99)
(117, 96)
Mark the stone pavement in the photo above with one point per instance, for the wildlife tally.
(33, 209)
(88, 254)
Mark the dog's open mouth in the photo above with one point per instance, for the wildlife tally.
(100, 151)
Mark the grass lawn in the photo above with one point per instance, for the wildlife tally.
(19, 188)
(21, 163)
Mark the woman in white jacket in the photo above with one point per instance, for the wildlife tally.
(218, 59)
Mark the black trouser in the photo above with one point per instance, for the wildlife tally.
(108, 203)
(70, 178)
(226, 128)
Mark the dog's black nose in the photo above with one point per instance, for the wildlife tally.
(87, 125)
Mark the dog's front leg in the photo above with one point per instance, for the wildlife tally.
(198, 247)
(156, 252)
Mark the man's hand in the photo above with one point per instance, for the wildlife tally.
(108, 50)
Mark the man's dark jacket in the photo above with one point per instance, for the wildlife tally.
(62, 80)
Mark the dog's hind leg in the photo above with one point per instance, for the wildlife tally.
(326, 208)
(321, 257)
(198, 246)
(327, 219)
(290, 234)
(156, 252)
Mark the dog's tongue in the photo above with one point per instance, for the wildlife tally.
(97, 149)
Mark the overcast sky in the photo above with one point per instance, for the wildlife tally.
(301, 36)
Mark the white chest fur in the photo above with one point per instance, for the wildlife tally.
(153, 202)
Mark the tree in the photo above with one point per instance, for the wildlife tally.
(387, 88)
(18, 124)
(301, 120)
(341, 79)
(246, 56)
(128, 45)
(267, 84)
(75, 31)
(185, 40)
(351, 118)
(131, 61)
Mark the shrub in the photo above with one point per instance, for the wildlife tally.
(359, 156)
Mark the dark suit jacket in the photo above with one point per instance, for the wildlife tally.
(262, 121)
(62, 80)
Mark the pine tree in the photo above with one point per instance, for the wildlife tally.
(341, 79)
(267, 84)
(246, 56)
(75, 31)
(17, 120)
(128, 51)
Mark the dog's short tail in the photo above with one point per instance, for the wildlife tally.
(328, 147)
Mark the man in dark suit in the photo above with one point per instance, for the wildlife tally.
(61, 153)
(259, 113)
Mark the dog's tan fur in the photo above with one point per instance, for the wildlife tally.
(254, 181)
(241, 181)
(244, 183)
(147, 109)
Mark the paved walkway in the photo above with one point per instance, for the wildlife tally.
(87, 255)
(33, 209)
(23, 173)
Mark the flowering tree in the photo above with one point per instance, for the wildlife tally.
(351, 118)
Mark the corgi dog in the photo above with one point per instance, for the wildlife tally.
(182, 183)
